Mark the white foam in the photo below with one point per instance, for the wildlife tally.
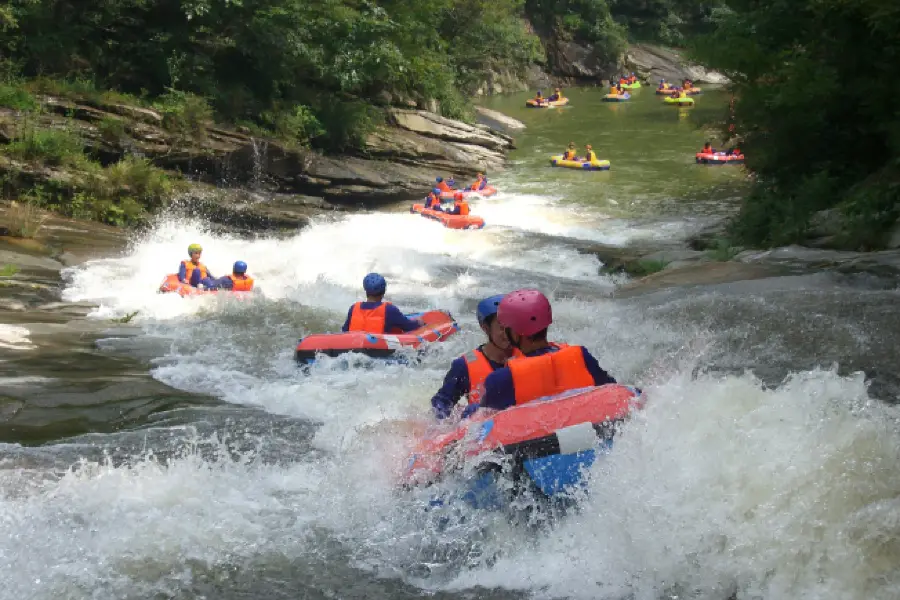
(719, 486)
(15, 337)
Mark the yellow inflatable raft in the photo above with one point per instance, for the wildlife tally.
(680, 101)
(597, 165)
(533, 103)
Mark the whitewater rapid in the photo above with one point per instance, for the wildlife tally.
(721, 486)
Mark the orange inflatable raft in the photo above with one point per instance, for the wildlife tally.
(171, 284)
(487, 192)
(551, 442)
(449, 221)
(438, 326)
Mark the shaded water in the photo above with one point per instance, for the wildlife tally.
(762, 467)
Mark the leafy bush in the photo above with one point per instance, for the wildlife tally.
(16, 97)
(55, 147)
(24, 220)
(185, 114)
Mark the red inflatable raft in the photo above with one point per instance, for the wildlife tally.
(449, 221)
(568, 426)
(438, 326)
(487, 192)
(719, 158)
(171, 284)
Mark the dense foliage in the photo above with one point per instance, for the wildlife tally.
(608, 24)
(816, 85)
(668, 21)
(310, 67)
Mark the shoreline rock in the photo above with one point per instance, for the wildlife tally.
(398, 163)
(653, 62)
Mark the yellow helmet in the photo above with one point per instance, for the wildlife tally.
(194, 248)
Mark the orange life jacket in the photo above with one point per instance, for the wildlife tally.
(370, 320)
(444, 187)
(479, 367)
(463, 208)
(569, 155)
(189, 267)
(477, 185)
(549, 374)
(241, 283)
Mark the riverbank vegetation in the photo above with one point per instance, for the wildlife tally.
(815, 106)
(312, 70)
(816, 113)
(308, 73)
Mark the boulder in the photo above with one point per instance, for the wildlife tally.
(570, 59)
(497, 120)
(894, 238)
(653, 62)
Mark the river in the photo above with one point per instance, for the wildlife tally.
(765, 465)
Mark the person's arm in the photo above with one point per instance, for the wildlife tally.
(224, 283)
(601, 377)
(455, 386)
(346, 326)
(182, 273)
(499, 390)
(394, 318)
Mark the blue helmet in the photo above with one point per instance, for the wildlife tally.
(240, 267)
(374, 284)
(488, 308)
(436, 191)
(439, 179)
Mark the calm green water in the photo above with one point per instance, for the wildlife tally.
(651, 146)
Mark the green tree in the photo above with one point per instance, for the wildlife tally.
(322, 62)
(816, 86)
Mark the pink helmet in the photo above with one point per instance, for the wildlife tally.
(525, 312)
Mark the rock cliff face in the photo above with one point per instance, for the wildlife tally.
(400, 159)
(579, 63)
(570, 63)
(655, 62)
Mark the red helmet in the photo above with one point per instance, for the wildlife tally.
(458, 196)
(525, 312)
